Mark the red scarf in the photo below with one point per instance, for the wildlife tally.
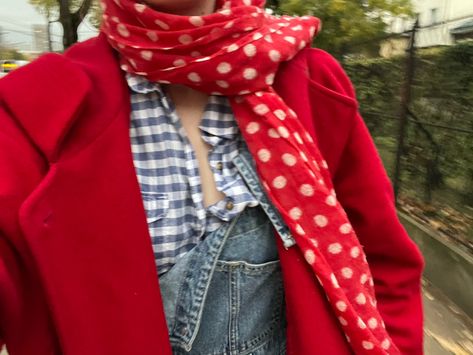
(236, 52)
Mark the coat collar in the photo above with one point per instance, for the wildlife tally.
(86, 90)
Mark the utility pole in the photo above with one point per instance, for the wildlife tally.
(404, 108)
(48, 30)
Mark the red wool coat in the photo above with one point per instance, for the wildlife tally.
(77, 272)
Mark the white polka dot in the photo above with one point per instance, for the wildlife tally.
(268, 39)
(195, 54)
(247, 2)
(140, 7)
(146, 55)
(309, 256)
(273, 133)
(252, 127)
(122, 30)
(229, 25)
(269, 79)
(283, 132)
(315, 243)
(361, 298)
(342, 321)
(152, 36)
(223, 84)
(280, 182)
(295, 213)
(385, 344)
(324, 164)
(355, 252)
(347, 272)
(306, 190)
(232, 48)
(226, 12)
(331, 201)
(264, 155)
(345, 228)
(334, 281)
(275, 55)
(335, 248)
(372, 323)
(261, 109)
(297, 28)
(300, 230)
(289, 159)
(224, 68)
(302, 45)
(320, 220)
(257, 36)
(290, 39)
(162, 24)
(179, 63)
(341, 306)
(360, 323)
(312, 31)
(185, 39)
(280, 114)
(194, 77)
(250, 73)
(298, 138)
(363, 278)
(367, 345)
(371, 281)
(196, 20)
(250, 50)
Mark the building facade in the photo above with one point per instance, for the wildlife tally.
(441, 23)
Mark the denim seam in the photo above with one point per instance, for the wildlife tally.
(246, 170)
(201, 289)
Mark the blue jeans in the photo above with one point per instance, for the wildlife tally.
(226, 297)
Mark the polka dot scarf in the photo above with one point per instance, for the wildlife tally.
(236, 52)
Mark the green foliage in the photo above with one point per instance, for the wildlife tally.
(9, 53)
(348, 25)
(438, 152)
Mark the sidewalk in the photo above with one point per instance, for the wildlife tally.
(448, 331)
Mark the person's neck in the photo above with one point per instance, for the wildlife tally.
(199, 8)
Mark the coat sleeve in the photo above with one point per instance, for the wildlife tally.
(365, 192)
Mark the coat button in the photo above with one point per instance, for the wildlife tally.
(219, 166)
(230, 205)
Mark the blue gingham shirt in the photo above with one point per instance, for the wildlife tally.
(167, 170)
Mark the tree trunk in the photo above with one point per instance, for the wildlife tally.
(70, 21)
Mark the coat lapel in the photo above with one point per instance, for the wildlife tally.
(87, 230)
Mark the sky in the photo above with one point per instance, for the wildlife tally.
(16, 19)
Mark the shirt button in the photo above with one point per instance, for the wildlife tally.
(219, 166)
(229, 206)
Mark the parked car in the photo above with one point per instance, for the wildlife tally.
(9, 65)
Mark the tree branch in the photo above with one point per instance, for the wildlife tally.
(83, 10)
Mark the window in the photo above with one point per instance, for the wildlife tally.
(434, 16)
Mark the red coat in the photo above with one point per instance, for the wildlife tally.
(77, 272)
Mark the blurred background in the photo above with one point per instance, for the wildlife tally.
(411, 63)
